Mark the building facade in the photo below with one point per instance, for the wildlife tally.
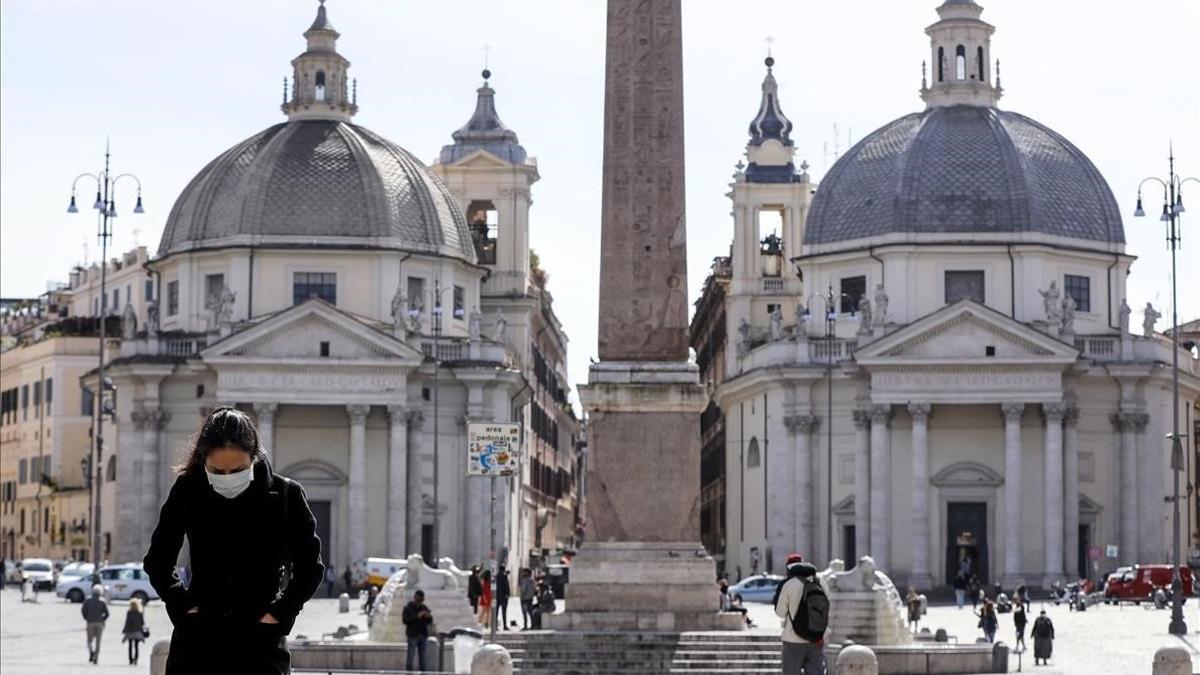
(933, 361)
(364, 308)
(708, 337)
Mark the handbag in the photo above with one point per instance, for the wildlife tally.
(145, 631)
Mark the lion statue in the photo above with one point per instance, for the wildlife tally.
(420, 575)
(448, 565)
(492, 659)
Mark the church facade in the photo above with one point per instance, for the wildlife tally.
(364, 308)
(929, 359)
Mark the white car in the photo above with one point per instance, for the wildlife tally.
(40, 571)
(75, 571)
(120, 582)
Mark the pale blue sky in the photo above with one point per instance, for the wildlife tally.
(176, 83)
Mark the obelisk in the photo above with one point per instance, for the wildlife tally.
(642, 566)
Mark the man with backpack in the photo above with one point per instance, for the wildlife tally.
(803, 607)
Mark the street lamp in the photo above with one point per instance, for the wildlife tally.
(1171, 210)
(415, 312)
(830, 302)
(106, 205)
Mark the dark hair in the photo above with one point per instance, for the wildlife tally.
(224, 427)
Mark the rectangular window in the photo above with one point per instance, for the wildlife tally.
(24, 402)
(116, 301)
(49, 394)
(23, 471)
(172, 298)
(128, 294)
(416, 293)
(853, 290)
(1079, 289)
(213, 285)
(37, 394)
(35, 470)
(964, 284)
(85, 402)
(96, 306)
(460, 302)
(306, 285)
(148, 292)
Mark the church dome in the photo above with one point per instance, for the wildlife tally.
(964, 170)
(317, 182)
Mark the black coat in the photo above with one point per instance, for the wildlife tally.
(240, 550)
(503, 590)
(416, 625)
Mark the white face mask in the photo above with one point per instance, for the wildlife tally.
(230, 485)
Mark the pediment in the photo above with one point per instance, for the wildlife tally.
(967, 474)
(482, 159)
(298, 333)
(963, 332)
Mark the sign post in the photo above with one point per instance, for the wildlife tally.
(493, 449)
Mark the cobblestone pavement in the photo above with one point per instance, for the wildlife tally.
(47, 638)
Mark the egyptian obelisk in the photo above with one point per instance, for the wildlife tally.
(642, 566)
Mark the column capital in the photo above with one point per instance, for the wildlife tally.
(1012, 411)
(138, 417)
(358, 413)
(1140, 420)
(1071, 416)
(881, 413)
(1053, 412)
(416, 419)
(398, 413)
(801, 423)
(265, 409)
(862, 419)
(156, 418)
(920, 411)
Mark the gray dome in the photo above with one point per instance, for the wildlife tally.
(317, 183)
(963, 170)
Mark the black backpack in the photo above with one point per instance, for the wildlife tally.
(812, 617)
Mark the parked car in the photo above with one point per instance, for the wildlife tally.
(120, 582)
(12, 574)
(758, 588)
(40, 571)
(1139, 583)
(76, 570)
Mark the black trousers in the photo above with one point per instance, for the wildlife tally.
(133, 650)
(200, 646)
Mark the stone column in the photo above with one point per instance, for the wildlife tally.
(413, 502)
(1126, 424)
(358, 481)
(1071, 490)
(1012, 493)
(153, 423)
(803, 486)
(862, 484)
(920, 577)
(881, 493)
(266, 427)
(397, 509)
(1053, 493)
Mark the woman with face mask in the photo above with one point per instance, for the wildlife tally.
(255, 555)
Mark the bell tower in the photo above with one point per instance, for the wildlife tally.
(771, 198)
(320, 88)
(487, 169)
(959, 70)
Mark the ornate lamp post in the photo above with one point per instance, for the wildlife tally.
(106, 204)
(1171, 210)
(436, 296)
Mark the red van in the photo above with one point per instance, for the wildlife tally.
(1138, 584)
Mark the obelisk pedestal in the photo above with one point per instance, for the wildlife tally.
(642, 567)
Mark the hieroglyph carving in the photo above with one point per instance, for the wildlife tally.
(643, 278)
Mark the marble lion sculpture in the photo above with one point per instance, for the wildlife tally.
(492, 659)
(448, 565)
(419, 575)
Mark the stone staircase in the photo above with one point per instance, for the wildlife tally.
(588, 653)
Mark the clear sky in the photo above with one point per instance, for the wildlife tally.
(176, 83)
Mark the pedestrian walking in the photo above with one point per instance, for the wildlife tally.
(95, 613)
(988, 621)
(1043, 639)
(803, 610)
(348, 580)
(1019, 621)
(417, 618)
(503, 593)
(960, 589)
(1022, 596)
(913, 602)
(255, 555)
(527, 592)
(485, 598)
(973, 589)
(330, 580)
(369, 603)
(473, 589)
(134, 630)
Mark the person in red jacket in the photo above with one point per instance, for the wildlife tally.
(485, 598)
